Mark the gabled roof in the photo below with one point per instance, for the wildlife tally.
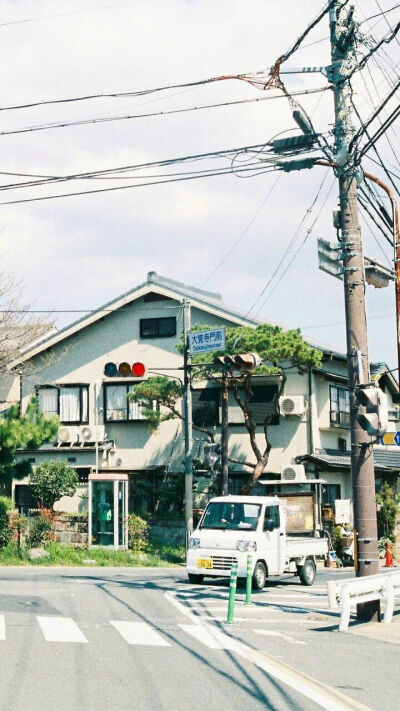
(199, 298)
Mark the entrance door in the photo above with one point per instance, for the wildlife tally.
(103, 513)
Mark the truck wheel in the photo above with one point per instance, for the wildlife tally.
(307, 572)
(259, 576)
(195, 579)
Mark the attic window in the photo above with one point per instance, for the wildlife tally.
(158, 327)
(153, 296)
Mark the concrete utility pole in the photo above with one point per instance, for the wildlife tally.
(187, 415)
(362, 464)
(224, 436)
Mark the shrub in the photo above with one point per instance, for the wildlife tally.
(51, 480)
(40, 531)
(6, 505)
(18, 525)
(138, 531)
(387, 509)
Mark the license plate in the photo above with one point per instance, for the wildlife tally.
(204, 563)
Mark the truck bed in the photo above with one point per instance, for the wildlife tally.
(300, 547)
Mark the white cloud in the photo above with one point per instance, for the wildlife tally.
(82, 251)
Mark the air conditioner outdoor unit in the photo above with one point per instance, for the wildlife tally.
(92, 433)
(294, 472)
(394, 414)
(67, 433)
(292, 405)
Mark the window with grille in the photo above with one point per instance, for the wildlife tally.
(164, 327)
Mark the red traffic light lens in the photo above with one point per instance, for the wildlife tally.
(138, 370)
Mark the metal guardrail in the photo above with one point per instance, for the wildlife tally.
(346, 593)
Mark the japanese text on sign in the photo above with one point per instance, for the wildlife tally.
(205, 341)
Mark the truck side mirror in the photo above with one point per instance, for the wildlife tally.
(269, 524)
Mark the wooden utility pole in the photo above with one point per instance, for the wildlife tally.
(342, 35)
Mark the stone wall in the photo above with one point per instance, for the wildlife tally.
(71, 530)
(170, 532)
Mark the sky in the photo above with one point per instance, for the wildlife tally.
(249, 238)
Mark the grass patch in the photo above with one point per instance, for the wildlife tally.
(156, 555)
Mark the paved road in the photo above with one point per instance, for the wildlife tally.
(94, 639)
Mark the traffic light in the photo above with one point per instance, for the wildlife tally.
(375, 418)
(242, 361)
(124, 370)
(248, 361)
(224, 362)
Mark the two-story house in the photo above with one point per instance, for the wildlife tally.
(84, 372)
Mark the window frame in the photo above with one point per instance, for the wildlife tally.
(125, 384)
(276, 519)
(58, 388)
(157, 320)
(343, 416)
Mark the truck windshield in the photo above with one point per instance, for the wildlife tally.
(235, 516)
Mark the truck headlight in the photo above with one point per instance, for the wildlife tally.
(244, 546)
(194, 542)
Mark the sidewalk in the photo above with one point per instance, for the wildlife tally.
(378, 630)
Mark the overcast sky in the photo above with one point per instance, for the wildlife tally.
(79, 252)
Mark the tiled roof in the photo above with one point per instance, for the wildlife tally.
(384, 459)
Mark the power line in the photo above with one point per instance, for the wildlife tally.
(72, 12)
(291, 243)
(246, 229)
(307, 235)
(109, 119)
(342, 323)
(380, 14)
(126, 187)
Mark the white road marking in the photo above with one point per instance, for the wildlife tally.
(139, 633)
(2, 627)
(281, 621)
(211, 637)
(61, 629)
(294, 596)
(274, 633)
(327, 697)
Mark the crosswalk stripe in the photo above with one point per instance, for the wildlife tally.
(61, 629)
(212, 638)
(139, 633)
(2, 627)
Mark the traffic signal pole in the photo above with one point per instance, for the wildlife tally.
(224, 436)
(362, 464)
(187, 412)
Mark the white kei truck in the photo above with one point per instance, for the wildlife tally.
(231, 527)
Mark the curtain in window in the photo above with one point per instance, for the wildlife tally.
(135, 412)
(85, 404)
(48, 401)
(116, 402)
(70, 405)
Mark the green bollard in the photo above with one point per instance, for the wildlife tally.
(232, 591)
(249, 579)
